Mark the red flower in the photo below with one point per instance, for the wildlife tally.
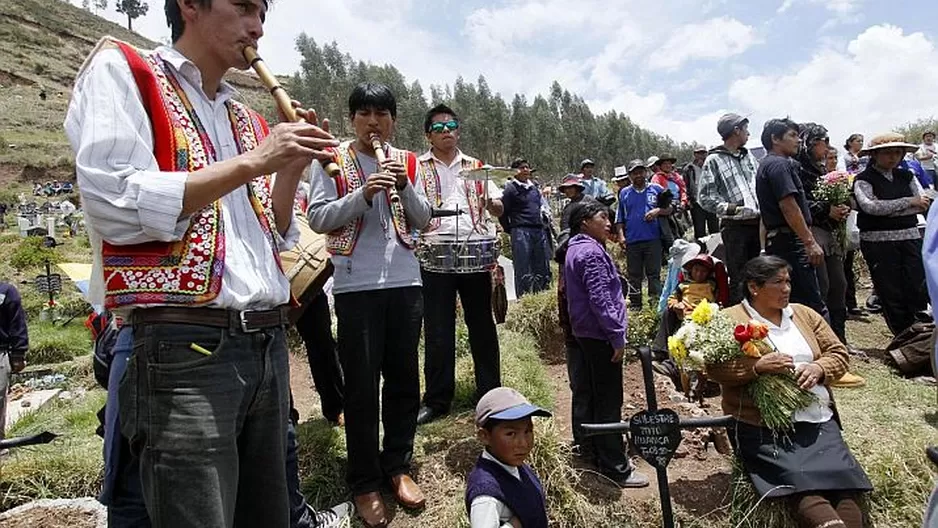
(742, 334)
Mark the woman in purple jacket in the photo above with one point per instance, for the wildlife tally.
(598, 321)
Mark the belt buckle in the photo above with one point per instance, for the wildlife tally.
(242, 316)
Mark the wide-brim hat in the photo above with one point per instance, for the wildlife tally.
(586, 162)
(700, 148)
(699, 258)
(570, 180)
(667, 157)
(635, 164)
(652, 161)
(886, 141)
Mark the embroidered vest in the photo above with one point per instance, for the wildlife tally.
(342, 241)
(475, 191)
(189, 271)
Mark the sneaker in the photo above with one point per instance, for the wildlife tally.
(338, 516)
(632, 479)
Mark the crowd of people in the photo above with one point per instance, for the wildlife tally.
(188, 217)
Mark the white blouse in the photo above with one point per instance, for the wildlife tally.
(787, 339)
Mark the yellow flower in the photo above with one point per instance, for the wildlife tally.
(702, 314)
(677, 349)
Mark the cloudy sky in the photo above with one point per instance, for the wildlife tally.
(672, 65)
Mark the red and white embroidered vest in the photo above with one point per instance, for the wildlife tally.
(187, 272)
(474, 190)
(342, 241)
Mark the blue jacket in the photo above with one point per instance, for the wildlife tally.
(522, 206)
(13, 335)
(594, 292)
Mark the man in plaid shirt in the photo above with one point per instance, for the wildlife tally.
(727, 188)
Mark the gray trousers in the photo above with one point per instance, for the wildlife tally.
(5, 373)
(210, 430)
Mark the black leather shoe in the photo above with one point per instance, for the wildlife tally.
(427, 415)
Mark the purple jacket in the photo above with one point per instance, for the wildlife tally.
(594, 292)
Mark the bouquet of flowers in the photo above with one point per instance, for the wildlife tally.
(834, 188)
(777, 396)
(710, 337)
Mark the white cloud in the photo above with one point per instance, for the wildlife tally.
(875, 84)
(840, 7)
(717, 38)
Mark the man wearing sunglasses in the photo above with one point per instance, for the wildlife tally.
(447, 190)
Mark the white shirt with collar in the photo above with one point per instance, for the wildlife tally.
(453, 193)
(787, 339)
(487, 511)
(129, 200)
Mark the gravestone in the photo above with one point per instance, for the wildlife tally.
(656, 435)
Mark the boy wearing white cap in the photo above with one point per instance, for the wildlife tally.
(501, 490)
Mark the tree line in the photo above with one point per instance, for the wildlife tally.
(554, 132)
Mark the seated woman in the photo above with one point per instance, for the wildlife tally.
(811, 466)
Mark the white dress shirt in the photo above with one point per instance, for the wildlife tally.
(487, 511)
(129, 200)
(453, 192)
(787, 339)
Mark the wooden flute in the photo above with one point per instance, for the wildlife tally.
(282, 98)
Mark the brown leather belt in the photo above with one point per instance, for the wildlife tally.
(247, 321)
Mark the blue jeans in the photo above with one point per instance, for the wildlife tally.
(210, 430)
(529, 249)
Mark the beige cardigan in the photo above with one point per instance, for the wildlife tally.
(733, 376)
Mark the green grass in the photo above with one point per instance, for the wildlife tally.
(54, 343)
(71, 466)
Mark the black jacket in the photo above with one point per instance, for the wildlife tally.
(13, 334)
(811, 174)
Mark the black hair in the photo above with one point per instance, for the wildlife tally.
(777, 128)
(174, 16)
(372, 95)
(582, 211)
(850, 140)
(492, 423)
(517, 162)
(760, 270)
(435, 111)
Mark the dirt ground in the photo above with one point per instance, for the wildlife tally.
(53, 518)
(699, 477)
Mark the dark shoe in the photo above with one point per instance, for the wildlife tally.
(873, 304)
(370, 507)
(632, 479)
(427, 415)
(334, 517)
(669, 369)
(407, 492)
(856, 311)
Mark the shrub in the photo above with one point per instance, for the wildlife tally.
(536, 315)
(31, 254)
(643, 326)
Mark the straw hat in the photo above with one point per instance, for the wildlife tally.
(889, 140)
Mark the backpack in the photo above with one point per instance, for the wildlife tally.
(104, 328)
(913, 349)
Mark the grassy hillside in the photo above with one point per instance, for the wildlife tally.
(42, 45)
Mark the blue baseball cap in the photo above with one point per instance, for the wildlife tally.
(505, 403)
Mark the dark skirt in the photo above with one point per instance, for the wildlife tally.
(811, 458)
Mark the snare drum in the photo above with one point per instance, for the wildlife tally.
(448, 256)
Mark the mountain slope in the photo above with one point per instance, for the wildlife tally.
(42, 45)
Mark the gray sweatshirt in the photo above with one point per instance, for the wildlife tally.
(379, 261)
